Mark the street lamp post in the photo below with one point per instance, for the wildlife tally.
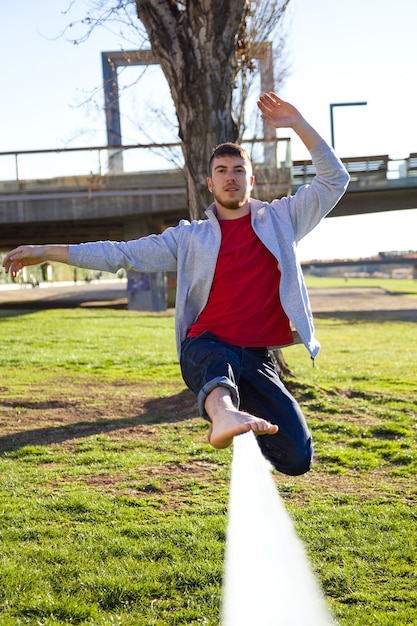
(340, 104)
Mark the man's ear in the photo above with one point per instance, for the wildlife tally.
(209, 185)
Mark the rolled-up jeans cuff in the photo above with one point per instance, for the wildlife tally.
(220, 381)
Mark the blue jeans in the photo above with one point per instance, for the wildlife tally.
(255, 387)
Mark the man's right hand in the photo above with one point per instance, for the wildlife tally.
(18, 258)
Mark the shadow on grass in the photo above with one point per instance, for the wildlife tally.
(388, 315)
(175, 408)
(4, 313)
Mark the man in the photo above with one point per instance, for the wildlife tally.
(240, 290)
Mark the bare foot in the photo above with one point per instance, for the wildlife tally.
(227, 421)
(232, 423)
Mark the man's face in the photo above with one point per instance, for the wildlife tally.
(231, 182)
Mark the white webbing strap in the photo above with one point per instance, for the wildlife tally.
(268, 579)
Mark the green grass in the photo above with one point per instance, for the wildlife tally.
(362, 355)
(114, 507)
(98, 343)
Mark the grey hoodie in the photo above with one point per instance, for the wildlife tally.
(191, 248)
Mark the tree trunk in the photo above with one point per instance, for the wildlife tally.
(196, 48)
(282, 366)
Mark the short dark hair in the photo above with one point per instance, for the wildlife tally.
(227, 149)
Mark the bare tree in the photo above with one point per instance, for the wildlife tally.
(202, 47)
(207, 52)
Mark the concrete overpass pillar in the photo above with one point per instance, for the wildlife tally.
(145, 292)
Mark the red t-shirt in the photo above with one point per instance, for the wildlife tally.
(244, 308)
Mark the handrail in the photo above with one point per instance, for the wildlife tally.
(302, 170)
(90, 148)
(115, 152)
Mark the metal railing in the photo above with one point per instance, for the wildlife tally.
(19, 165)
(99, 160)
(69, 167)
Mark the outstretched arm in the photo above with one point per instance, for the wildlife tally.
(16, 259)
(281, 114)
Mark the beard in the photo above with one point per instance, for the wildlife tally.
(233, 204)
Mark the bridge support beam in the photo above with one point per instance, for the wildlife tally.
(145, 292)
(110, 62)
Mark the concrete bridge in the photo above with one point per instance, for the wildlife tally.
(71, 209)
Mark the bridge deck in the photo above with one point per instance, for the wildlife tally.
(94, 206)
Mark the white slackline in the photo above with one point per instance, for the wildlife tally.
(268, 579)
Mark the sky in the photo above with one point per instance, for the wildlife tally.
(357, 51)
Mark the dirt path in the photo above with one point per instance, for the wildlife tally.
(363, 303)
(357, 303)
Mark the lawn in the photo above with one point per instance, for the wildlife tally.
(114, 507)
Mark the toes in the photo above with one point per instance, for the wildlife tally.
(263, 428)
